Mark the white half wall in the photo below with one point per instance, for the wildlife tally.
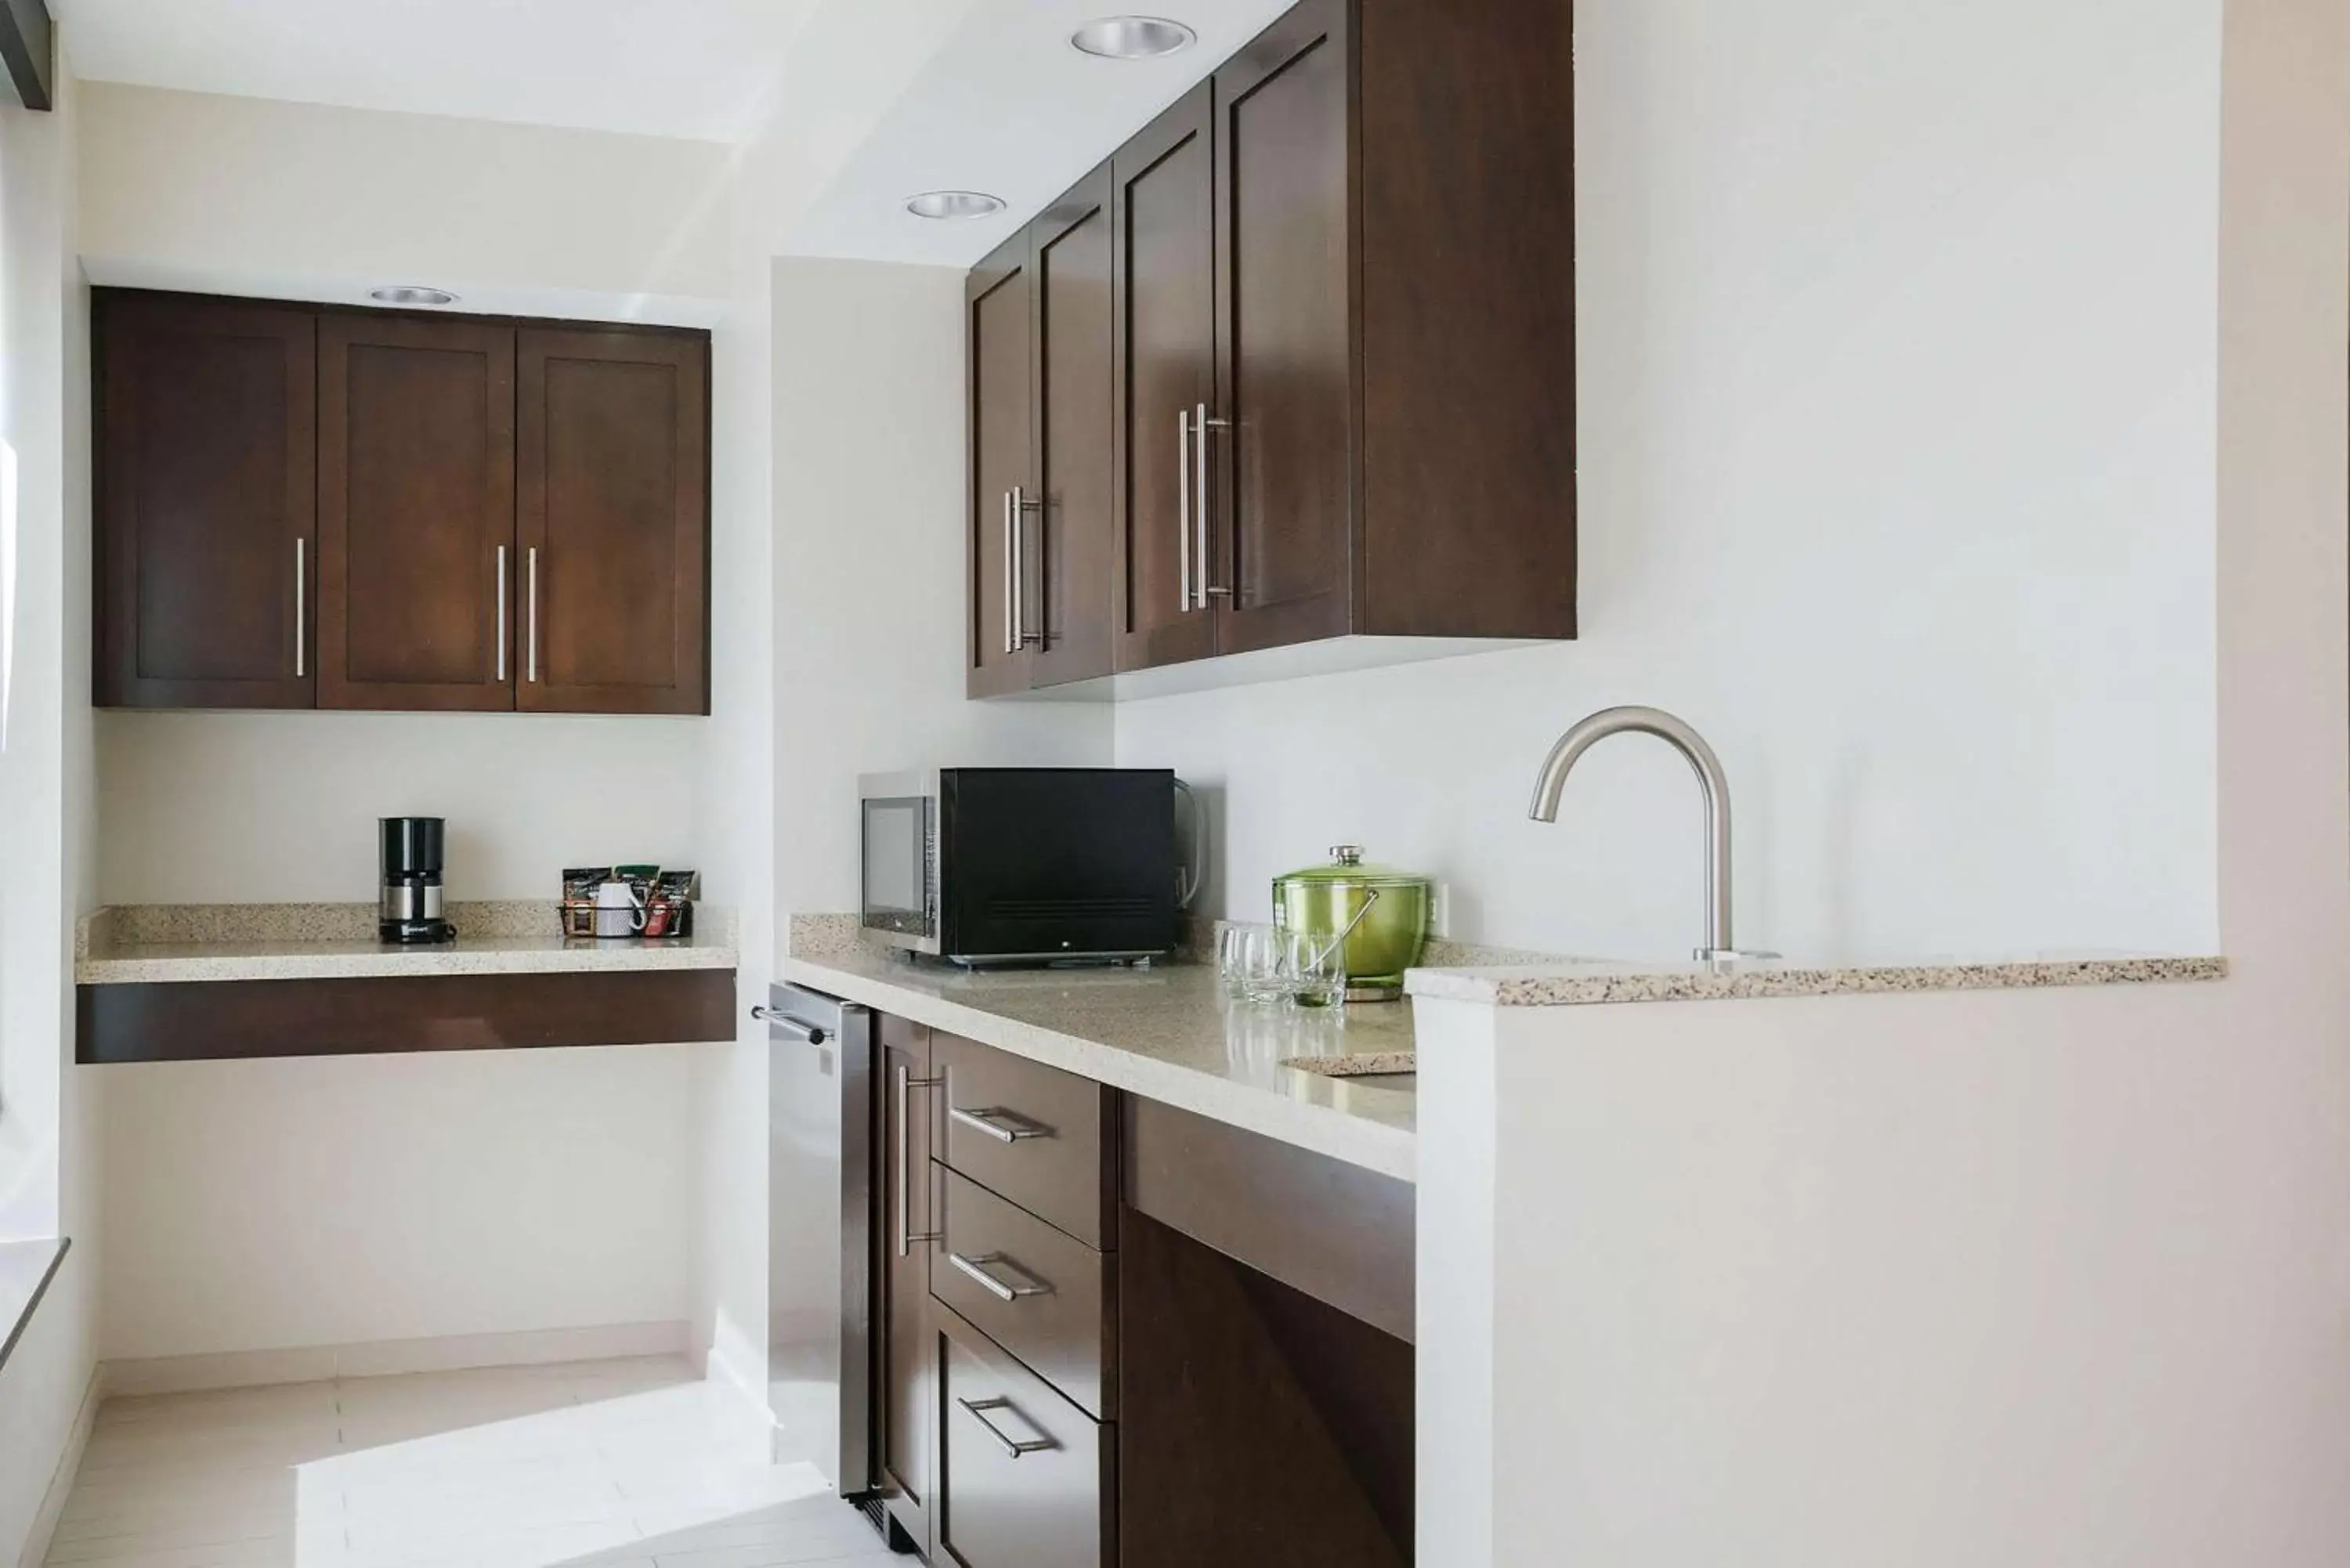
(1966, 1278)
(1897, 356)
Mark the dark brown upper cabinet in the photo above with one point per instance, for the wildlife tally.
(998, 338)
(1164, 305)
(1043, 425)
(1068, 559)
(416, 497)
(612, 432)
(307, 505)
(205, 548)
(1342, 305)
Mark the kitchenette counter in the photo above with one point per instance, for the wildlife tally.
(1166, 1033)
(1584, 983)
(150, 944)
(175, 982)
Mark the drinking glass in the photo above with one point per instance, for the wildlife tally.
(1264, 971)
(1317, 966)
(1232, 959)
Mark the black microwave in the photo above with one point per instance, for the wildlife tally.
(1021, 865)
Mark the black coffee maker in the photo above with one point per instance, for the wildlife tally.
(411, 908)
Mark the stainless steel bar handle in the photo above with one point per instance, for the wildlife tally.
(976, 1268)
(1202, 491)
(907, 1084)
(1019, 569)
(301, 607)
(991, 1120)
(501, 612)
(791, 1026)
(1016, 1448)
(1184, 502)
(530, 630)
(1008, 569)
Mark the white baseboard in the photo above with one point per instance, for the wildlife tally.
(53, 1500)
(387, 1357)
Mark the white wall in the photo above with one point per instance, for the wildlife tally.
(48, 1125)
(266, 807)
(869, 605)
(250, 196)
(481, 1192)
(1896, 367)
(2002, 1277)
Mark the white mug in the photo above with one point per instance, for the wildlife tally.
(617, 912)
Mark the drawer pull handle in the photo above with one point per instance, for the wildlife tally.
(1015, 1446)
(1003, 1126)
(977, 1269)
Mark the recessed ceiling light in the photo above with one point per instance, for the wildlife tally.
(953, 204)
(1132, 37)
(411, 293)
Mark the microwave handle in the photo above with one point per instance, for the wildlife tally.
(1192, 875)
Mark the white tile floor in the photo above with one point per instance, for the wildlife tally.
(608, 1464)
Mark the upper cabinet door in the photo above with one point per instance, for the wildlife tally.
(613, 521)
(1067, 566)
(1163, 197)
(205, 550)
(416, 497)
(1003, 492)
(1286, 457)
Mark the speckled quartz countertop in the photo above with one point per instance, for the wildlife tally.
(1588, 981)
(144, 944)
(1166, 1033)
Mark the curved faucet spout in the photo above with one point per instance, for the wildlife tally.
(1552, 782)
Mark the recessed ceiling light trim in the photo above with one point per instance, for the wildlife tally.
(951, 206)
(1132, 37)
(411, 293)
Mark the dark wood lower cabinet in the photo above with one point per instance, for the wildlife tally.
(229, 1020)
(1263, 1427)
(1027, 1479)
(1226, 1380)
(905, 1425)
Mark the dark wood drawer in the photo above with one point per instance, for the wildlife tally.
(1025, 1478)
(1041, 1138)
(1044, 1296)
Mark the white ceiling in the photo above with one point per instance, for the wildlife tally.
(1005, 106)
(697, 69)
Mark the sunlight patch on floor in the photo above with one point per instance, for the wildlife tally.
(624, 1464)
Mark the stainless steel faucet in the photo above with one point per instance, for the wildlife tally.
(1711, 779)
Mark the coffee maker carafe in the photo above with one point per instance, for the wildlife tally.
(411, 906)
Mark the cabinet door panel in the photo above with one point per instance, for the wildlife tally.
(905, 1420)
(1051, 1502)
(416, 493)
(1163, 189)
(205, 558)
(1068, 558)
(1000, 334)
(612, 435)
(1284, 320)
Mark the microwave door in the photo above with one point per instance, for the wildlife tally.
(897, 871)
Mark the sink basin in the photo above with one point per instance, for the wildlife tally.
(1361, 1065)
